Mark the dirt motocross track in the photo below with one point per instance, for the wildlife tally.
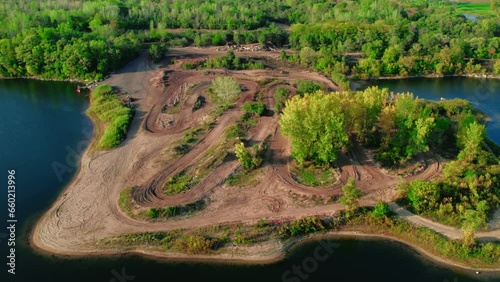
(87, 210)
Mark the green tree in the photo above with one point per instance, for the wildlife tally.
(315, 125)
(158, 51)
(496, 67)
(423, 195)
(381, 209)
(225, 89)
(351, 196)
(307, 87)
(248, 159)
(472, 221)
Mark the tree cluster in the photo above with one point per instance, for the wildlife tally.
(397, 39)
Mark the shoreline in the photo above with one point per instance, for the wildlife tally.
(276, 255)
(472, 75)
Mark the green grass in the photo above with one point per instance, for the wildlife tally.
(314, 176)
(116, 117)
(125, 201)
(475, 8)
(176, 211)
(179, 183)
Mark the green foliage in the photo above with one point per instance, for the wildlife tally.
(249, 159)
(318, 124)
(315, 125)
(225, 90)
(179, 183)
(380, 210)
(195, 244)
(307, 87)
(175, 211)
(407, 129)
(350, 196)
(257, 108)
(109, 110)
(496, 67)
(280, 96)
(125, 200)
(472, 221)
(471, 141)
(230, 61)
(157, 52)
(303, 226)
(315, 175)
(398, 39)
(423, 195)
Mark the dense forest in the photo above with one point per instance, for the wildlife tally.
(88, 39)
(384, 38)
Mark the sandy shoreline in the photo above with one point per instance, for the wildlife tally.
(278, 253)
(86, 210)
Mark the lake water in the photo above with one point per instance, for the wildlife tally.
(44, 125)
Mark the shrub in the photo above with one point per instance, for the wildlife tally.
(257, 108)
(301, 226)
(179, 183)
(195, 244)
(380, 210)
(307, 86)
(225, 90)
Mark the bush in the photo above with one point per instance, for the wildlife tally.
(225, 90)
(301, 226)
(157, 52)
(257, 108)
(380, 210)
(307, 86)
(280, 96)
(422, 195)
(195, 244)
(179, 183)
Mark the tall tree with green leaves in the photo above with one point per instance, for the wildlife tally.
(351, 196)
(225, 90)
(472, 221)
(315, 126)
(471, 142)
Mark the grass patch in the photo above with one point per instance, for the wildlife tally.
(475, 8)
(176, 211)
(241, 178)
(316, 176)
(125, 201)
(179, 183)
(116, 117)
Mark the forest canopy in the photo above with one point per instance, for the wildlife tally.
(88, 39)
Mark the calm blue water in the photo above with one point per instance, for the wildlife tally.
(43, 124)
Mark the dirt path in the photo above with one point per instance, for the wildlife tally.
(87, 210)
(450, 232)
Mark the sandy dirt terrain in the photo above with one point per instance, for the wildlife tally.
(87, 210)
